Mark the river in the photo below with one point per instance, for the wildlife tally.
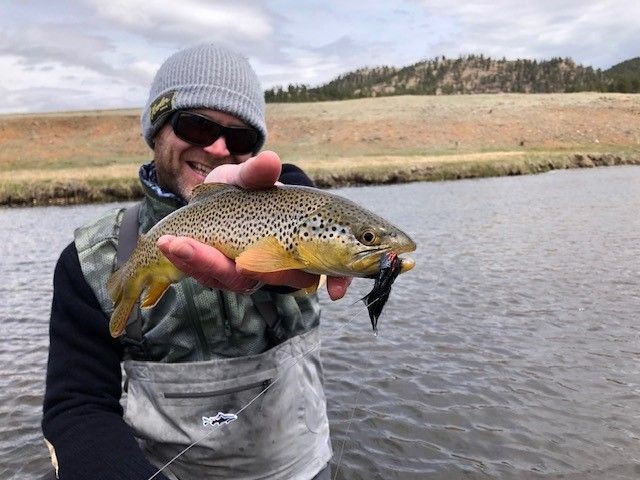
(510, 351)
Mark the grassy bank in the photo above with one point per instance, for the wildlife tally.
(104, 184)
(81, 157)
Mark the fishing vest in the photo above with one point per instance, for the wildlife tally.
(199, 352)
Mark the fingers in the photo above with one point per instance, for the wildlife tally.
(261, 171)
(290, 278)
(204, 263)
(210, 267)
(337, 286)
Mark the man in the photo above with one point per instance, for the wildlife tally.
(215, 340)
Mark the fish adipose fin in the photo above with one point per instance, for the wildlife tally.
(268, 255)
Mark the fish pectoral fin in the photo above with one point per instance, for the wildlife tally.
(268, 255)
(154, 292)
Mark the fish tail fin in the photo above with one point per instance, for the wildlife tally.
(114, 285)
(127, 284)
(120, 317)
(126, 298)
(124, 293)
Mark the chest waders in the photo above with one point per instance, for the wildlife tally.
(199, 352)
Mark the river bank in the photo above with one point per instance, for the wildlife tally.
(94, 156)
(383, 172)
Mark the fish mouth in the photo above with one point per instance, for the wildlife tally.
(407, 263)
(367, 261)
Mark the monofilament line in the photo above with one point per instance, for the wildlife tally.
(346, 435)
(296, 360)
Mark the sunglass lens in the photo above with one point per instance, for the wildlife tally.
(196, 129)
(241, 140)
(201, 131)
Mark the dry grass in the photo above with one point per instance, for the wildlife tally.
(430, 125)
(77, 174)
(354, 141)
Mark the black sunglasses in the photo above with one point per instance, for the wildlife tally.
(201, 131)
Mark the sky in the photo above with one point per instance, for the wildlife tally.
(101, 54)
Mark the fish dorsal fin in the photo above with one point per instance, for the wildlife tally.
(268, 255)
(205, 190)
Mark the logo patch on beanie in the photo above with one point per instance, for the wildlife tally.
(161, 105)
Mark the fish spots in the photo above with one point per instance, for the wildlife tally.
(232, 220)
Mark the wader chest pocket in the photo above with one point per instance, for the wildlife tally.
(216, 393)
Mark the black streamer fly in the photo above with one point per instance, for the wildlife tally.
(390, 267)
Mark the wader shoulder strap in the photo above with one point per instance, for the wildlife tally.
(128, 235)
(127, 239)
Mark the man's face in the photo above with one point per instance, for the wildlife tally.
(181, 166)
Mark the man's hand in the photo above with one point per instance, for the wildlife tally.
(211, 268)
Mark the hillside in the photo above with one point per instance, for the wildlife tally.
(473, 74)
(625, 76)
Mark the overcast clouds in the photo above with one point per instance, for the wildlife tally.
(88, 54)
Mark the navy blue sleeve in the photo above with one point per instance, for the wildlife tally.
(293, 175)
(82, 416)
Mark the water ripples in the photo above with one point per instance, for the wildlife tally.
(510, 351)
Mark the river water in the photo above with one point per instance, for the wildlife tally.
(510, 351)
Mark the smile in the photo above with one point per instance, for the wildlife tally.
(199, 168)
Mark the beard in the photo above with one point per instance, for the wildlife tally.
(180, 167)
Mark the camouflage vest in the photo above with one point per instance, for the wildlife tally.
(192, 322)
(202, 352)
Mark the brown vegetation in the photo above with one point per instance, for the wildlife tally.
(80, 157)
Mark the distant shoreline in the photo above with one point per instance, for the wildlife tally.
(471, 169)
(78, 193)
(66, 158)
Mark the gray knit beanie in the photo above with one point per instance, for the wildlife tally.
(205, 76)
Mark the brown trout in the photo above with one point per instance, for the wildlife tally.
(281, 228)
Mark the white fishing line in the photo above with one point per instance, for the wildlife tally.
(346, 435)
(296, 360)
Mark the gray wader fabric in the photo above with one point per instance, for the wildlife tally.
(283, 434)
(325, 474)
(208, 352)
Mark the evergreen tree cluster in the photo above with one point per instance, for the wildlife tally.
(467, 75)
(625, 76)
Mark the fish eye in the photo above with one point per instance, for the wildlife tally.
(368, 237)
